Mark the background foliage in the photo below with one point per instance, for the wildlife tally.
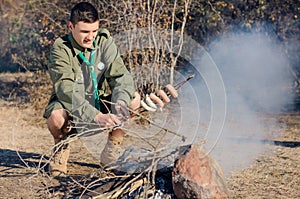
(30, 27)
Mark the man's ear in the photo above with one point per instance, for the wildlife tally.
(70, 25)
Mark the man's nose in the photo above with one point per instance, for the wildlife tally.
(91, 35)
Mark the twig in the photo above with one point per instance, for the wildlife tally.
(153, 123)
(128, 131)
(216, 12)
(156, 125)
(177, 86)
(120, 189)
(85, 187)
(22, 160)
(92, 184)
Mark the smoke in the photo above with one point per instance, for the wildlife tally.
(255, 75)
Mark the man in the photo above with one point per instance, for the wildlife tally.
(85, 66)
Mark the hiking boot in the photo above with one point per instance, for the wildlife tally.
(113, 148)
(58, 162)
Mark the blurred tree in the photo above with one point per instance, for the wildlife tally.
(30, 27)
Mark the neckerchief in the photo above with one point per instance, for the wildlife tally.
(90, 63)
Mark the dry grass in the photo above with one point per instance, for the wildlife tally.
(274, 174)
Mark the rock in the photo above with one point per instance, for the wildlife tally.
(197, 175)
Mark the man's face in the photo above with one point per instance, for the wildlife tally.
(84, 33)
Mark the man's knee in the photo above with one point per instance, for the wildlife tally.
(57, 119)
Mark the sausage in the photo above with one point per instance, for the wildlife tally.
(163, 95)
(145, 106)
(157, 100)
(173, 92)
(150, 102)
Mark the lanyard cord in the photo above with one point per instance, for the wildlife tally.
(90, 65)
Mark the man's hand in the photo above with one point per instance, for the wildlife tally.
(160, 98)
(122, 110)
(136, 102)
(107, 120)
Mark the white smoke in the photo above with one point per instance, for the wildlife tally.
(256, 77)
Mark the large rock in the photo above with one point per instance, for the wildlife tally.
(197, 175)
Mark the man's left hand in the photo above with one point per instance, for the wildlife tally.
(122, 110)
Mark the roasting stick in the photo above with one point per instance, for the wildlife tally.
(177, 86)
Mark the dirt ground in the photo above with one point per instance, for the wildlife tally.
(275, 174)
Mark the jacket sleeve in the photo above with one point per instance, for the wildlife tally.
(68, 85)
(119, 78)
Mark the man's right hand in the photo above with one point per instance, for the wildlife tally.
(107, 120)
(160, 98)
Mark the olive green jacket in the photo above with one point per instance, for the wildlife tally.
(72, 83)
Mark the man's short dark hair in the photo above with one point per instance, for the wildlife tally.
(85, 12)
